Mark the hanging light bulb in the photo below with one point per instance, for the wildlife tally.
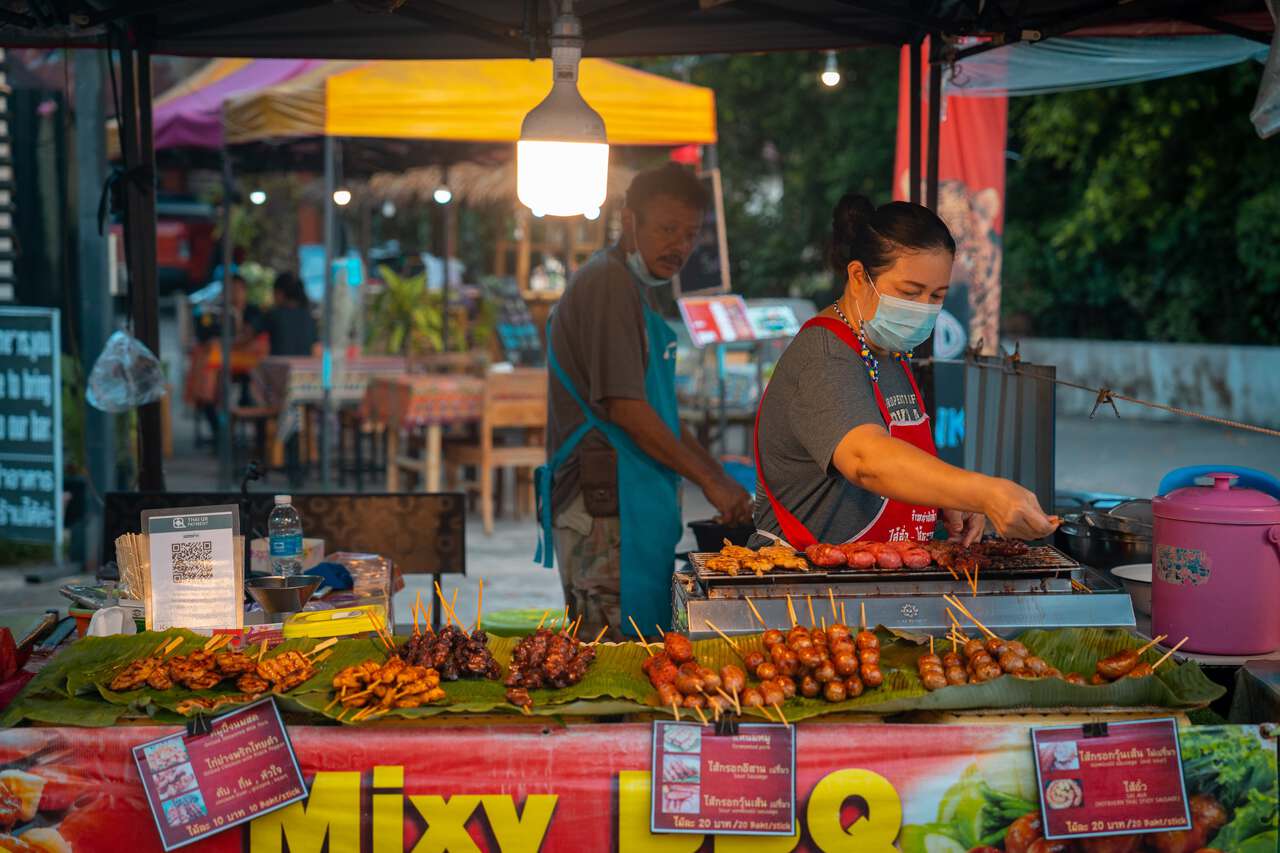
(388, 209)
(830, 75)
(562, 158)
(593, 214)
(442, 195)
(258, 197)
(342, 197)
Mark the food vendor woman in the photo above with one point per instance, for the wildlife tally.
(844, 448)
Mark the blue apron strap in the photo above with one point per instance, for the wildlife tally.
(544, 476)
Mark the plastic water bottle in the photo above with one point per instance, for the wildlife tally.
(284, 535)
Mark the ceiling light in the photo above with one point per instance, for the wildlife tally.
(830, 75)
(562, 158)
(258, 197)
(342, 197)
(442, 195)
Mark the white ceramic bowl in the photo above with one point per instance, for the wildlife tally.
(1136, 578)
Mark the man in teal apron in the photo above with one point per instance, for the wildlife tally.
(608, 496)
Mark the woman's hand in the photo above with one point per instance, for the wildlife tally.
(964, 527)
(1014, 511)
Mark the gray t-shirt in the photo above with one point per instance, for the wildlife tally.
(820, 391)
(598, 334)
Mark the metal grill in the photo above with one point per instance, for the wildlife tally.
(1038, 561)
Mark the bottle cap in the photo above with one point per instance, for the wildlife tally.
(284, 500)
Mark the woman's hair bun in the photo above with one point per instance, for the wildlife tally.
(876, 236)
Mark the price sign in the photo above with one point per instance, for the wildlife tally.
(716, 319)
(1110, 779)
(743, 784)
(200, 785)
(195, 581)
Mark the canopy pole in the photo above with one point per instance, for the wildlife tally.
(935, 118)
(913, 99)
(140, 239)
(450, 218)
(326, 367)
(225, 474)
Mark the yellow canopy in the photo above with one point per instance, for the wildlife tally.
(466, 100)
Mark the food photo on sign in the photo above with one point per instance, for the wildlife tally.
(991, 805)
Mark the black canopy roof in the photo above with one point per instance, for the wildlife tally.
(473, 29)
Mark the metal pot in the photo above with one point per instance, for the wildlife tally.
(711, 534)
(1096, 542)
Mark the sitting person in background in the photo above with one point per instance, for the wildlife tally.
(289, 325)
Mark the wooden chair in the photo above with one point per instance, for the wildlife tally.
(512, 434)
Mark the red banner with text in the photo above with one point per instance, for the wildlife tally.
(869, 788)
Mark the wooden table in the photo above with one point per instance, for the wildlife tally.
(426, 402)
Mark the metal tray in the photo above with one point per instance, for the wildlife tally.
(1039, 561)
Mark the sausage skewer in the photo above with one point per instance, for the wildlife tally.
(1169, 653)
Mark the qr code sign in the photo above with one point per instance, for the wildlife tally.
(192, 561)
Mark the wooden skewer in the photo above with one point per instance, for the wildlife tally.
(813, 623)
(843, 620)
(322, 646)
(601, 634)
(336, 699)
(953, 643)
(831, 594)
(675, 709)
(423, 610)
(824, 624)
(720, 690)
(526, 710)
(172, 646)
(781, 716)
(636, 628)
(724, 637)
(863, 606)
(791, 611)
(479, 603)
(323, 656)
(931, 644)
(564, 620)
(414, 611)
(661, 633)
(342, 714)
(453, 607)
(1169, 653)
(952, 600)
(764, 710)
(444, 603)
(545, 614)
(701, 716)
(756, 613)
(1154, 642)
(976, 569)
(262, 650)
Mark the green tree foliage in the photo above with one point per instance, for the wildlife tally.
(1145, 212)
(781, 129)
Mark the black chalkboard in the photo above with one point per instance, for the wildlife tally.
(30, 425)
(707, 270)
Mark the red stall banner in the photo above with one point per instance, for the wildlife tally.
(866, 788)
(971, 159)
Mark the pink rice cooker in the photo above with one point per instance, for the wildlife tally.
(1215, 571)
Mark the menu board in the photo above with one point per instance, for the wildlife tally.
(194, 581)
(200, 785)
(1110, 779)
(716, 319)
(30, 425)
(706, 783)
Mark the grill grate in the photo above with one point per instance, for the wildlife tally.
(1040, 560)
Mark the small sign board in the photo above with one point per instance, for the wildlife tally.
(195, 582)
(773, 321)
(1110, 779)
(200, 785)
(31, 426)
(716, 319)
(705, 783)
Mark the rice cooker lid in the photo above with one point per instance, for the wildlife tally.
(1220, 503)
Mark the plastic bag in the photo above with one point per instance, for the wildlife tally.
(125, 376)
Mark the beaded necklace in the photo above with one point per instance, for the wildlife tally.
(868, 357)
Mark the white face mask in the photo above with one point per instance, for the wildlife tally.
(635, 262)
(900, 324)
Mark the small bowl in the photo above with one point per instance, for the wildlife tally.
(1136, 578)
(711, 534)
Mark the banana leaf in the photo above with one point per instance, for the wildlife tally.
(1174, 686)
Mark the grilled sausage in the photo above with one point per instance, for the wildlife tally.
(871, 675)
(1118, 665)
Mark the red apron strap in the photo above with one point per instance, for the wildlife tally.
(911, 377)
(793, 530)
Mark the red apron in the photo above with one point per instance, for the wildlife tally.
(895, 521)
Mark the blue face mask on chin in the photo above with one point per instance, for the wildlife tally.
(635, 262)
(900, 325)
